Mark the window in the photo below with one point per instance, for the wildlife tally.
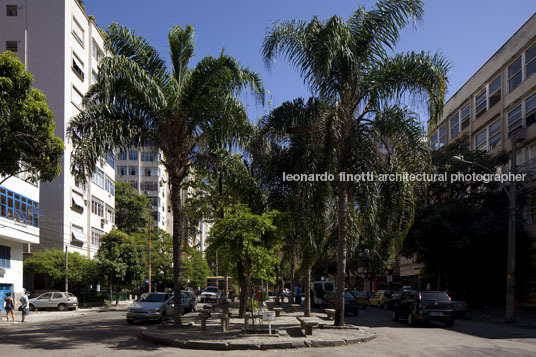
(12, 46)
(133, 170)
(78, 237)
(98, 177)
(514, 75)
(78, 31)
(442, 136)
(154, 201)
(110, 214)
(134, 184)
(454, 125)
(96, 52)
(494, 91)
(77, 201)
(149, 186)
(514, 118)
(481, 103)
(97, 207)
(78, 67)
(93, 77)
(530, 111)
(150, 171)
(11, 10)
(132, 155)
(109, 186)
(494, 134)
(465, 114)
(19, 208)
(530, 61)
(480, 140)
(76, 97)
(110, 160)
(5, 256)
(96, 237)
(122, 170)
(148, 156)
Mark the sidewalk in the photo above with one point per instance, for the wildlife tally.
(53, 315)
(525, 317)
(286, 333)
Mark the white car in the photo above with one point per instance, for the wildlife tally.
(54, 300)
(211, 293)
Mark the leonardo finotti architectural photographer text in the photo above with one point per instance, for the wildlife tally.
(405, 176)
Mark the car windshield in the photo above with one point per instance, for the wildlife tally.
(435, 296)
(153, 298)
(357, 293)
(211, 289)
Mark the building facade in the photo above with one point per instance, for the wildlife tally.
(19, 227)
(498, 99)
(61, 46)
(141, 168)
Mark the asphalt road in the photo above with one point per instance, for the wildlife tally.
(107, 334)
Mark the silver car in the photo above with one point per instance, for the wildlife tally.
(54, 300)
(150, 306)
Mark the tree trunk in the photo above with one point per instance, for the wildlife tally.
(177, 249)
(243, 288)
(292, 278)
(307, 287)
(341, 252)
(117, 294)
(110, 288)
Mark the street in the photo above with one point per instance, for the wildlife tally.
(107, 334)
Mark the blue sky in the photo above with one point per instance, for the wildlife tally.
(468, 32)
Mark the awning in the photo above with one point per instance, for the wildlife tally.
(77, 200)
(78, 238)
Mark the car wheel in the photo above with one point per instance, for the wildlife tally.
(32, 308)
(62, 307)
(130, 321)
(163, 317)
(395, 315)
(449, 323)
(411, 320)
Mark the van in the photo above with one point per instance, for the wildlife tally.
(320, 288)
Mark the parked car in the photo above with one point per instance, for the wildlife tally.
(350, 304)
(424, 306)
(361, 298)
(210, 293)
(54, 300)
(319, 290)
(458, 305)
(380, 299)
(150, 306)
(188, 301)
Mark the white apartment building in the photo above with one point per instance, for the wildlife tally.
(62, 47)
(19, 227)
(140, 166)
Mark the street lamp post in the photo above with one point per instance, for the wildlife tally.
(515, 136)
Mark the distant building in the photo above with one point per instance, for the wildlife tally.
(62, 48)
(499, 98)
(19, 227)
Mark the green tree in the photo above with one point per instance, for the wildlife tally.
(27, 140)
(250, 240)
(82, 271)
(195, 269)
(132, 209)
(186, 112)
(346, 63)
(119, 259)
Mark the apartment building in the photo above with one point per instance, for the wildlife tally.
(141, 168)
(61, 46)
(19, 227)
(498, 99)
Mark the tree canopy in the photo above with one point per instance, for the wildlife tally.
(27, 140)
(132, 209)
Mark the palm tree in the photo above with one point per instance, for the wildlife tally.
(346, 63)
(186, 113)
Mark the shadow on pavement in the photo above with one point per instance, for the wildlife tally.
(66, 334)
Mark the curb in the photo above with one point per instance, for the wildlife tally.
(228, 346)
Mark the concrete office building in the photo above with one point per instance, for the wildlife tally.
(19, 227)
(62, 47)
(499, 98)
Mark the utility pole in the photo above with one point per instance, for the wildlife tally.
(66, 269)
(150, 248)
